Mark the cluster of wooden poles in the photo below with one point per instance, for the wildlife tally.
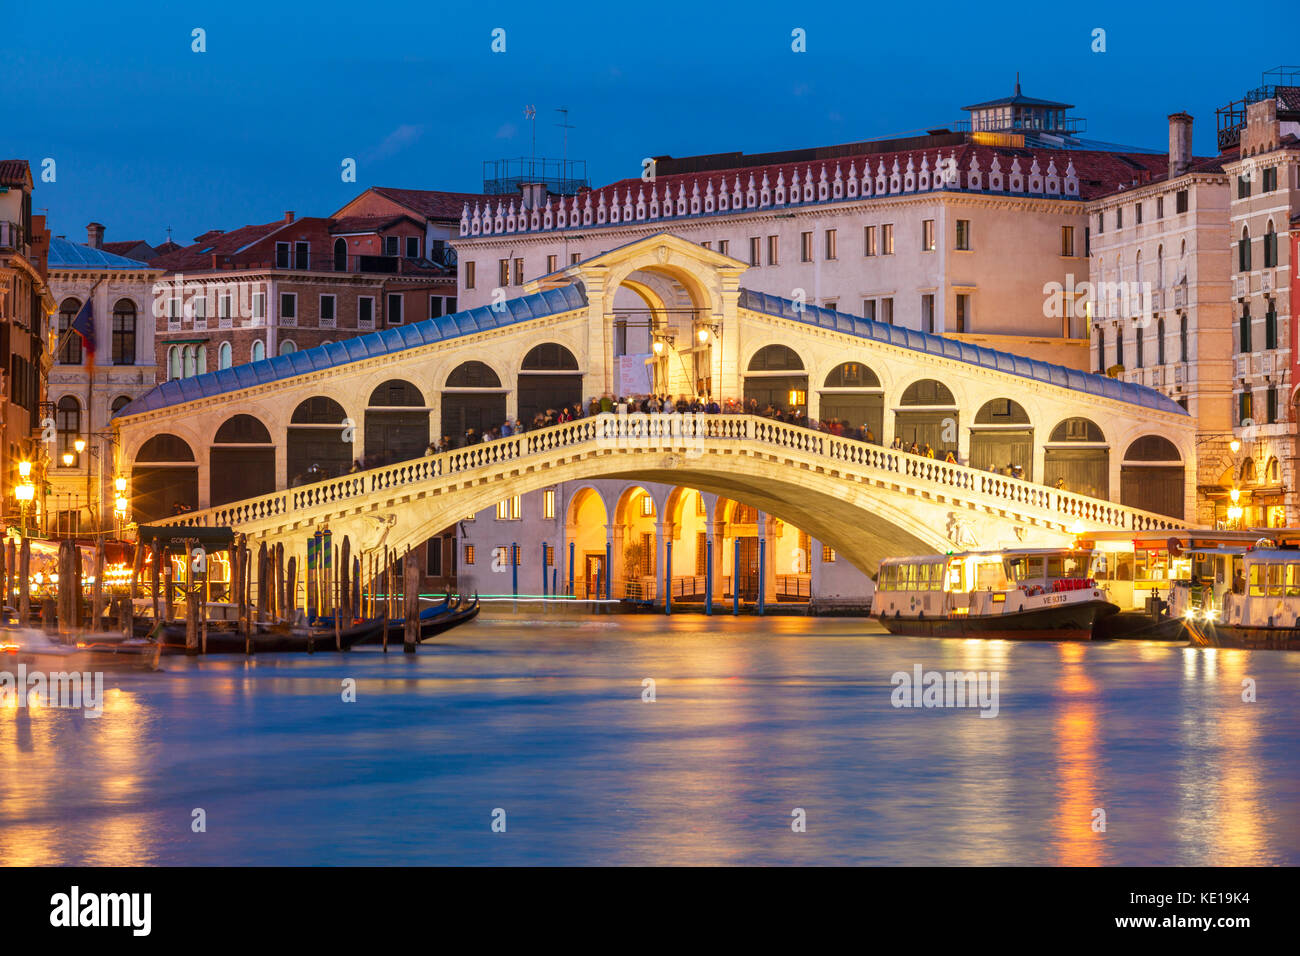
(333, 589)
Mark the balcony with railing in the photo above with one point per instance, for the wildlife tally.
(11, 235)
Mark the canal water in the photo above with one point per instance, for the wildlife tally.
(546, 719)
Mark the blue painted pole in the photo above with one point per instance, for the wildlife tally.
(735, 579)
(668, 577)
(543, 569)
(555, 580)
(514, 569)
(609, 570)
(708, 575)
(762, 555)
(572, 592)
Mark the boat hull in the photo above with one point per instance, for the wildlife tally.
(1211, 634)
(1073, 622)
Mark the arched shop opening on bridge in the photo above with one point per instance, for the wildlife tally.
(853, 395)
(1077, 458)
(548, 380)
(473, 398)
(242, 461)
(1002, 436)
(397, 422)
(317, 445)
(164, 478)
(775, 377)
(927, 415)
(1151, 476)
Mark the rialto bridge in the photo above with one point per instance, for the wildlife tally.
(236, 445)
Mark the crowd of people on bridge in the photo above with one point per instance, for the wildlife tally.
(655, 405)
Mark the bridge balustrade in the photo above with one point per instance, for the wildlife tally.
(672, 432)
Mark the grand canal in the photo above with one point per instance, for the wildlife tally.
(545, 718)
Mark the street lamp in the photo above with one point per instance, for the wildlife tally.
(25, 492)
(1235, 445)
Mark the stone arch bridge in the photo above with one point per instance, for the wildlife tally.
(281, 447)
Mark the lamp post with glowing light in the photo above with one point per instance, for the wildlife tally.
(1234, 510)
(25, 492)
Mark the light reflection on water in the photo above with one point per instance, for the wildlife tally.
(753, 718)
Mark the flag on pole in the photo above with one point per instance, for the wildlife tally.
(84, 325)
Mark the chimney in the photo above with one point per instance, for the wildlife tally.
(95, 235)
(1180, 143)
(288, 215)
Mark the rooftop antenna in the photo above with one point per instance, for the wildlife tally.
(565, 125)
(1017, 82)
(530, 114)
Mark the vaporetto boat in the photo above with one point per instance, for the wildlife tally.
(1030, 594)
(1258, 608)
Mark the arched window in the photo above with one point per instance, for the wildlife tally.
(1270, 246)
(202, 361)
(340, 255)
(1160, 266)
(242, 430)
(190, 360)
(774, 358)
(124, 332)
(120, 403)
(1243, 250)
(852, 375)
(67, 423)
(549, 356)
(259, 351)
(225, 355)
(174, 369)
(1160, 342)
(288, 346)
(473, 375)
(1182, 339)
(70, 349)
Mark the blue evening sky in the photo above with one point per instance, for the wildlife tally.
(147, 134)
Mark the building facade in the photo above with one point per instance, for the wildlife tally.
(1159, 297)
(271, 290)
(25, 303)
(81, 494)
(1265, 191)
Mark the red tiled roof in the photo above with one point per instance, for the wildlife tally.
(16, 172)
(199, 255)
(1099, 172)
(431, 203)
(368, 223)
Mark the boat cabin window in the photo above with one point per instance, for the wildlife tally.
(1293, 580)
(1276, 573)
(1150, 565)
(994, 574)
(956, 576)
(1257, 580)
